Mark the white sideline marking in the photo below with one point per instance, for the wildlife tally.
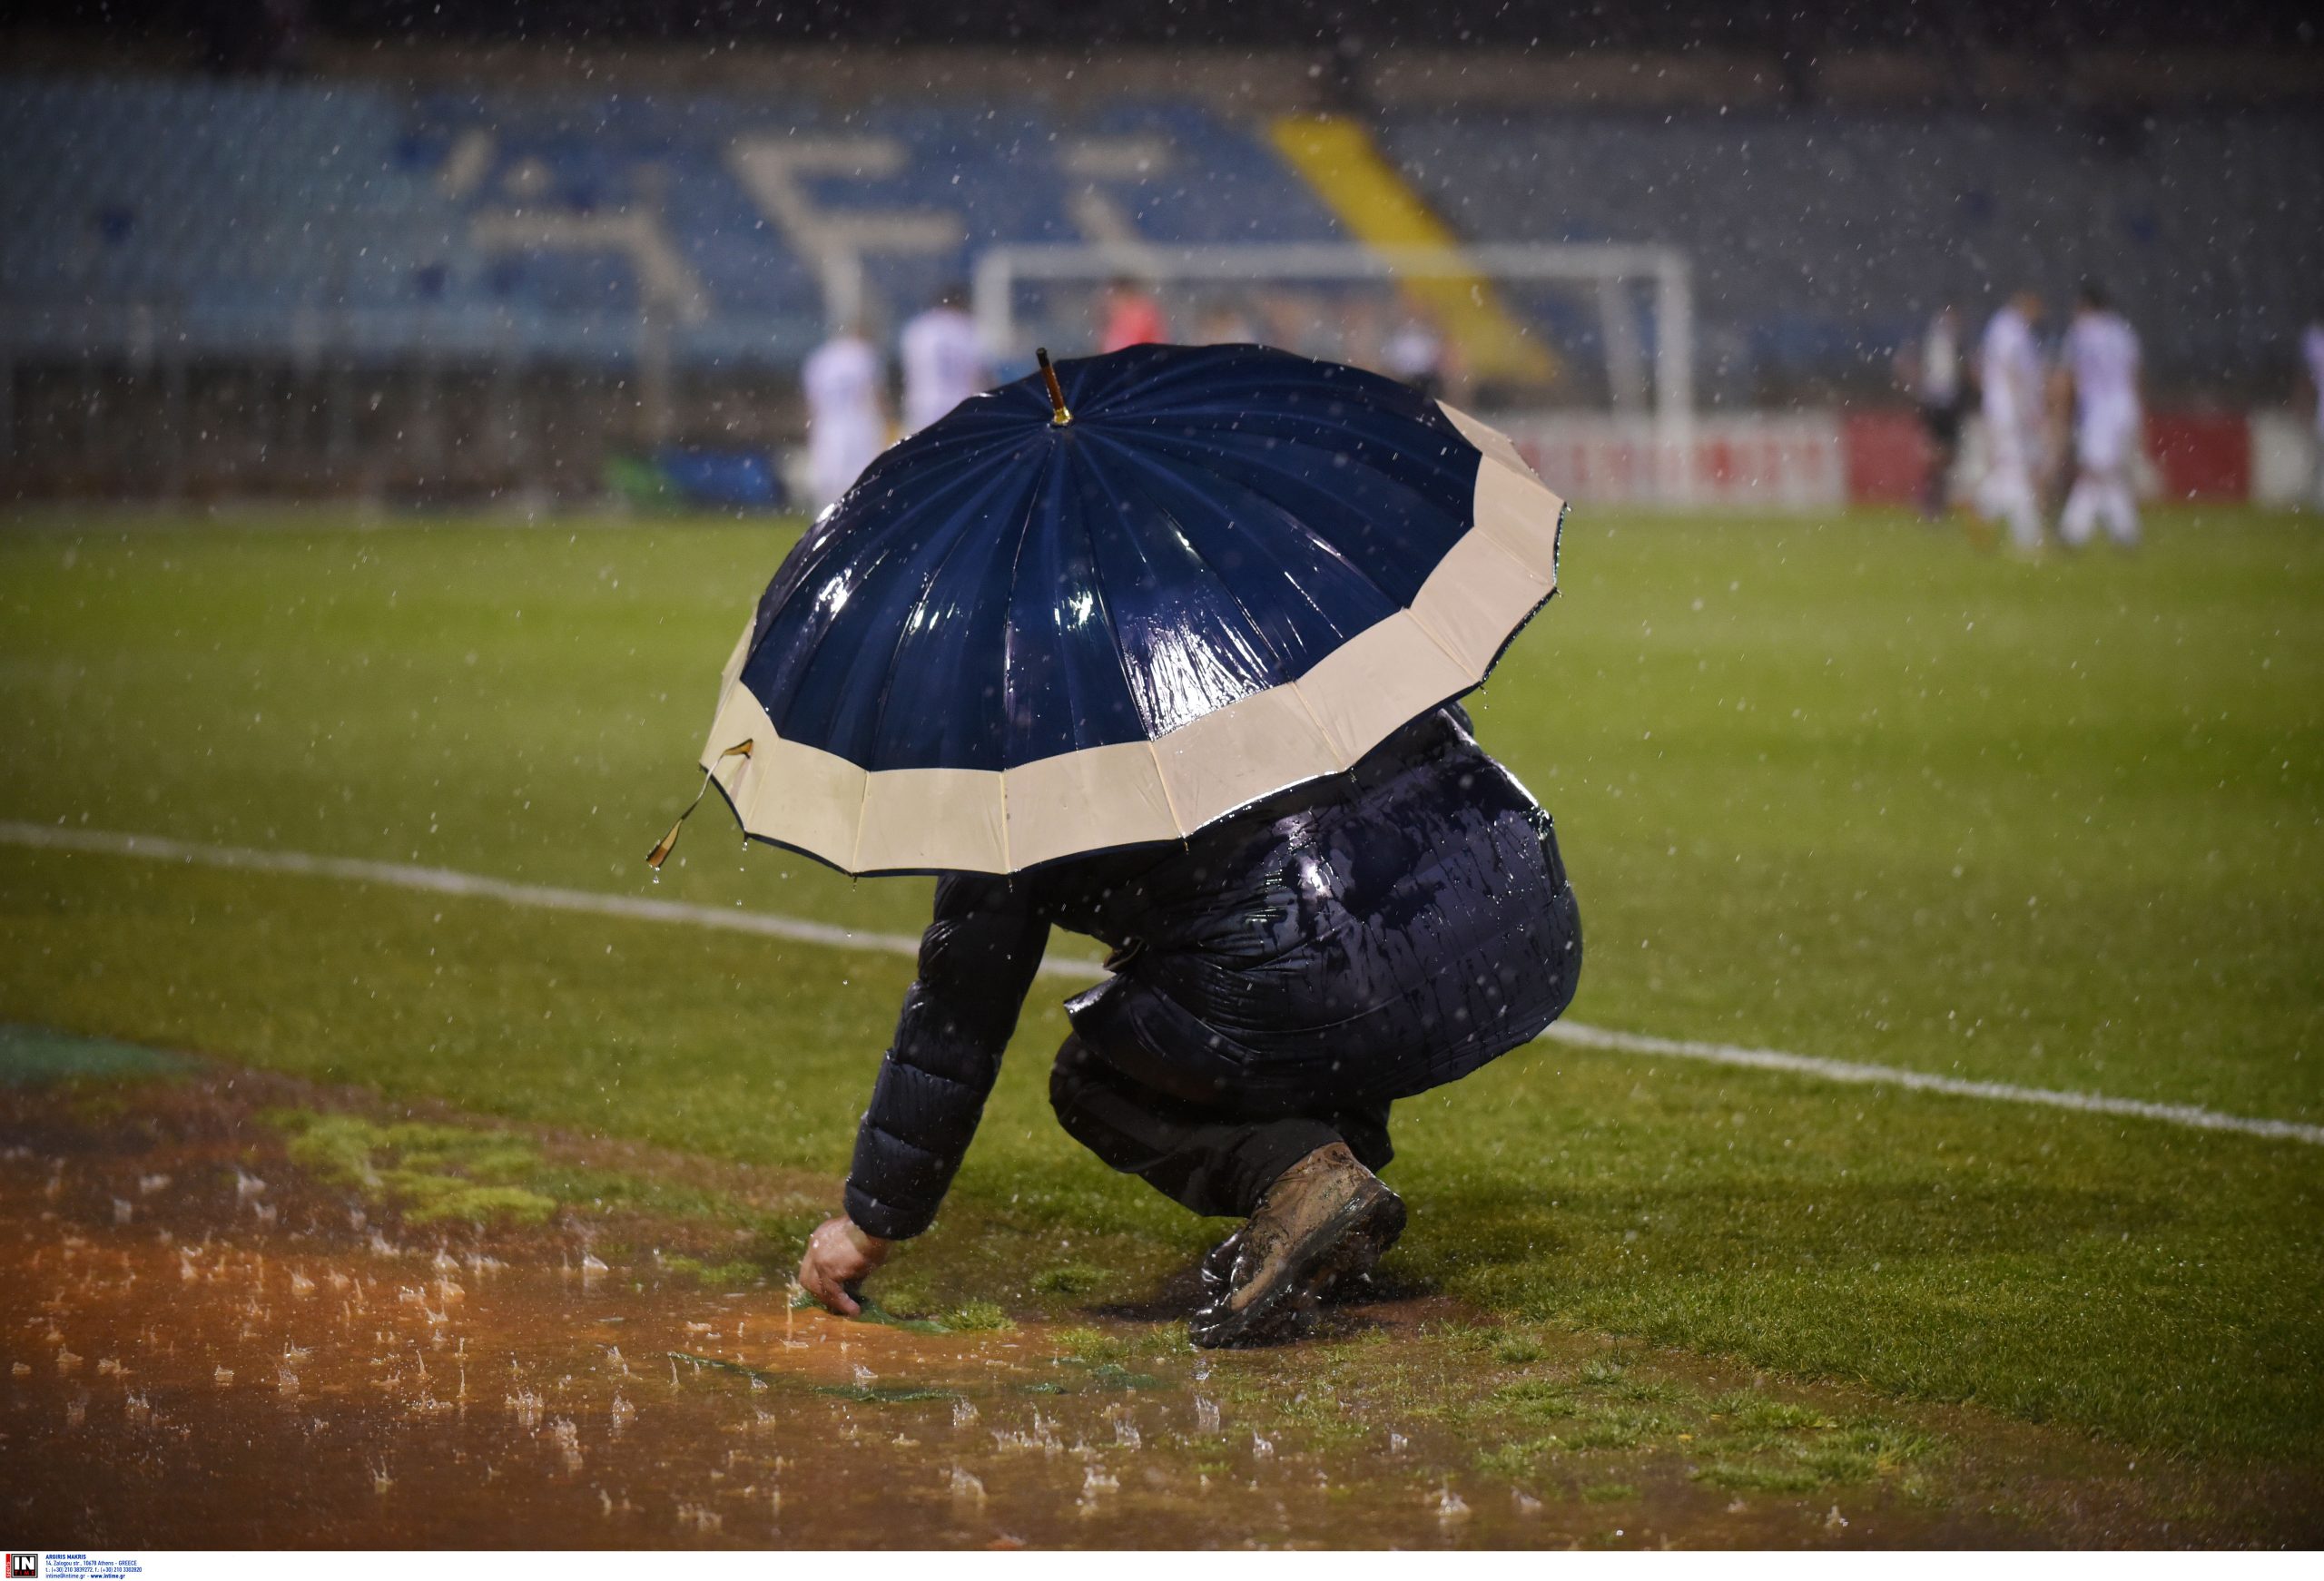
(799, 930)
(1840, 1070)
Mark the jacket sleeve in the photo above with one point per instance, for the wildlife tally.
(976, 960)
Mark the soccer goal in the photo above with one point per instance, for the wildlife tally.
(1604, 332)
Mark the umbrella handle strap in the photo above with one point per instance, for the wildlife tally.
(668, 842)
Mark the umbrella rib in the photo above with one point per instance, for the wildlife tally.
(1298, 523)
(1419, 620)
(961, 539)
(1009, 664)
(1129, 681)
(893, 538)
(1177, 819)
(862, 815)
(1293, 519)
(1129, 686)
(1249, 620)
(1317, 721)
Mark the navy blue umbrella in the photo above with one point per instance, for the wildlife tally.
(1115, 607)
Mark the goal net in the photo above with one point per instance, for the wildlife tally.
(1602, 334)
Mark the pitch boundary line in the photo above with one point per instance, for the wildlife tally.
(802, 930)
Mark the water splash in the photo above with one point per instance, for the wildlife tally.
(567, 1438)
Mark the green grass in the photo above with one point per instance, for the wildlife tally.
(1841, 788)
(434, 1173)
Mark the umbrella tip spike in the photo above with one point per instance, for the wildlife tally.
(1059, 415)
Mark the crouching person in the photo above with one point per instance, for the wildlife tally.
(1276, 983)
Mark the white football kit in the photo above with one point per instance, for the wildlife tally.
(2311, 350)
(944, 365)
(844, 427)
(2009, 368)
(2102, 354)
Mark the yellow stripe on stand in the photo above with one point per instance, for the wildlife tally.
(1338, 158)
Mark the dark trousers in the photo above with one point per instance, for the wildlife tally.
(1942, 424)
(1216, 1160)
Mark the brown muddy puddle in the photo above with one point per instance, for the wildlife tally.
(206, 1346)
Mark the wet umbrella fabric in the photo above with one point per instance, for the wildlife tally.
(1018, 638)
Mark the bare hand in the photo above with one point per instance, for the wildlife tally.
(837, 1255)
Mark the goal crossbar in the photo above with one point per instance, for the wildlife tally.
(1000, 270)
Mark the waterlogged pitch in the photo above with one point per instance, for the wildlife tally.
(1849, 789)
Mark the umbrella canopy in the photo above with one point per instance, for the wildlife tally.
(1037, 629)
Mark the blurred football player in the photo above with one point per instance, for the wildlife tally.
(846, 425)
(2009, 374)
(2100, 369)
(944, 360)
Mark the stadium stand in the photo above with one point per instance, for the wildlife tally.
(493, 258)
(2209, 228)
(261, 218)
(264, 217)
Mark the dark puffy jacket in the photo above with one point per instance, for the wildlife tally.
(1355, 940)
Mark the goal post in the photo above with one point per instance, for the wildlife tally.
(1333, 300)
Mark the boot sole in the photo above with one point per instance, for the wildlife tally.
(1343, 1248)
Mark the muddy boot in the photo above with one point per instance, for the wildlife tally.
(1326, 1218)
(1217, 1269)
(1216, 1276)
